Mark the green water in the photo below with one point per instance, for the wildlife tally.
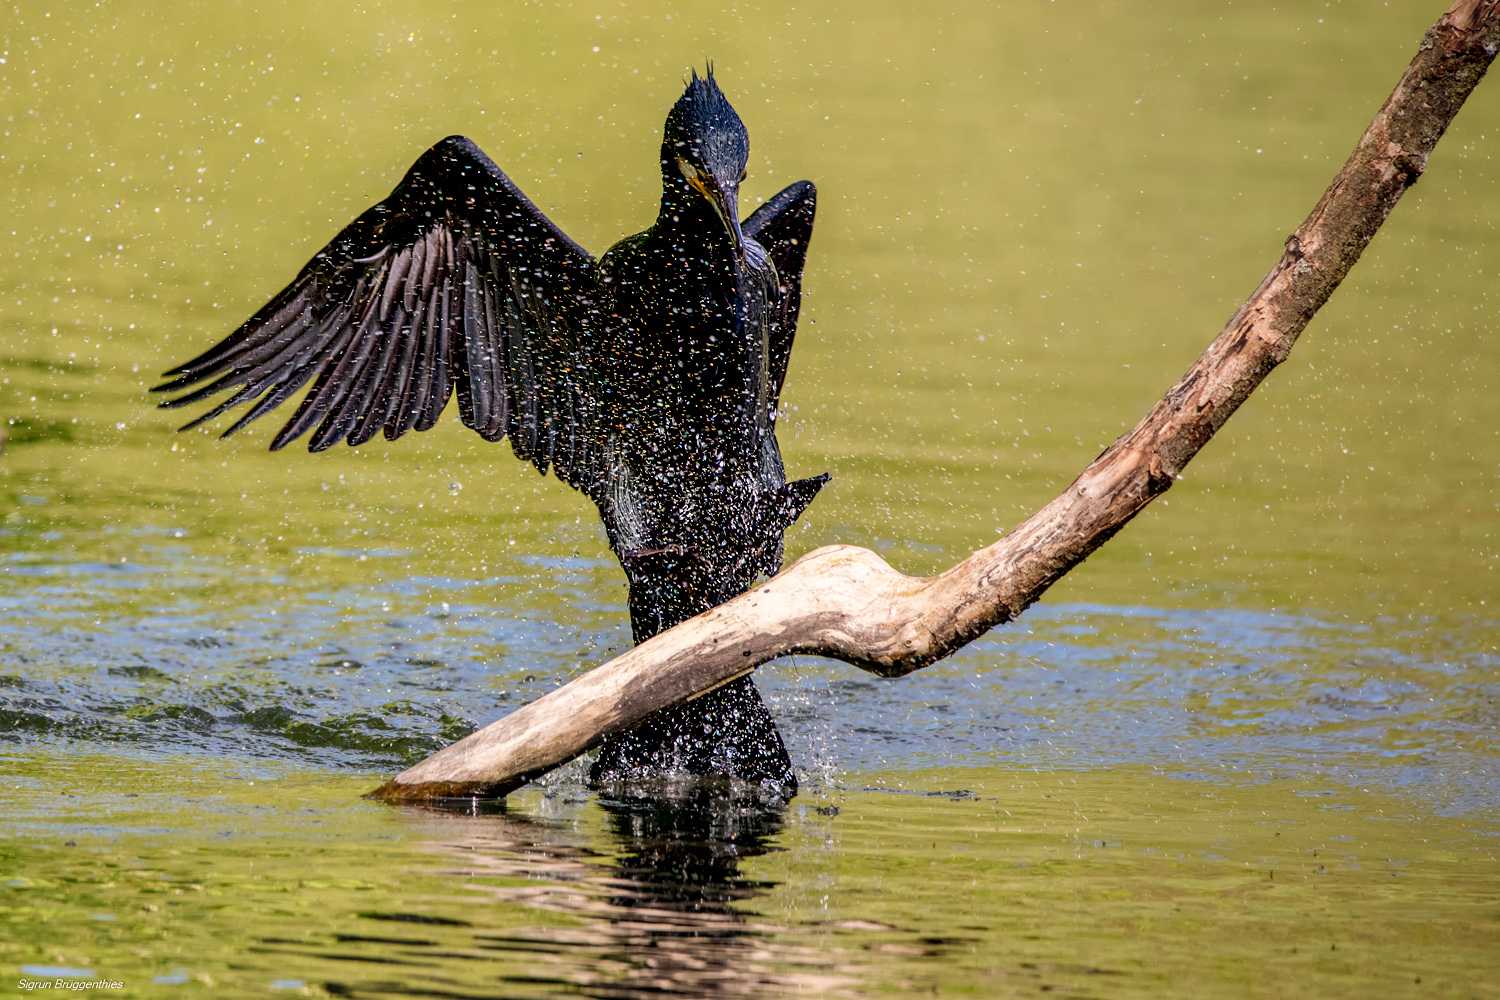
(1126, 883)
(1248, 749)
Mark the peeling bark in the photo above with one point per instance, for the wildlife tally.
(846, 602)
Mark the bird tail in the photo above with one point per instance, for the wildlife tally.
(780, 511)
(791, 500)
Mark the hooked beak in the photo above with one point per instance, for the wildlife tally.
(725, 203)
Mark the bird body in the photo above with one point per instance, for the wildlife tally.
(648, 379)
(693, 472)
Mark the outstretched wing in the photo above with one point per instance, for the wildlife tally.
(454, 281)
(783, 226)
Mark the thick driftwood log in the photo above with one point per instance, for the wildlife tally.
(845, 602)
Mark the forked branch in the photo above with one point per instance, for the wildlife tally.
(845, 602)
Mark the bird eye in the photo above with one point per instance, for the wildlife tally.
(744, 173)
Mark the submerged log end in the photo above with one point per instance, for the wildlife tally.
(397, 792)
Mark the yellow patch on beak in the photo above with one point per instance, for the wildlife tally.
(694, 177)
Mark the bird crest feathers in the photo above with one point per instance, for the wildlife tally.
(704, 124)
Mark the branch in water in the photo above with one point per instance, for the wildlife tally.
(845, 602)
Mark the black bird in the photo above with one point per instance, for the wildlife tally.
(648, 379)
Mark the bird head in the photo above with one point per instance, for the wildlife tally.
(704, 151)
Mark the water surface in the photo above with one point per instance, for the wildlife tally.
(1248, 749)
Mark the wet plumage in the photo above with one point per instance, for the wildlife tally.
(648, 379)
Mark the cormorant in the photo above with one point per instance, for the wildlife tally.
(648, 379)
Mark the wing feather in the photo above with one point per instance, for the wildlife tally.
(348, 383)
(250, 357)
(441, 387)
(393, 279)
(412, 286)
(309, 413)
(493, 427)
(418, 378)
(472, 404)
(374, 406)
(273, 317)
(341, 365)
(403, 380)
(285, 372)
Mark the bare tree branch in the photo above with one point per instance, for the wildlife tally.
(845, 602)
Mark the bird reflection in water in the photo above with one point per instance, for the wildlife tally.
(661, 913)
(681, 840)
